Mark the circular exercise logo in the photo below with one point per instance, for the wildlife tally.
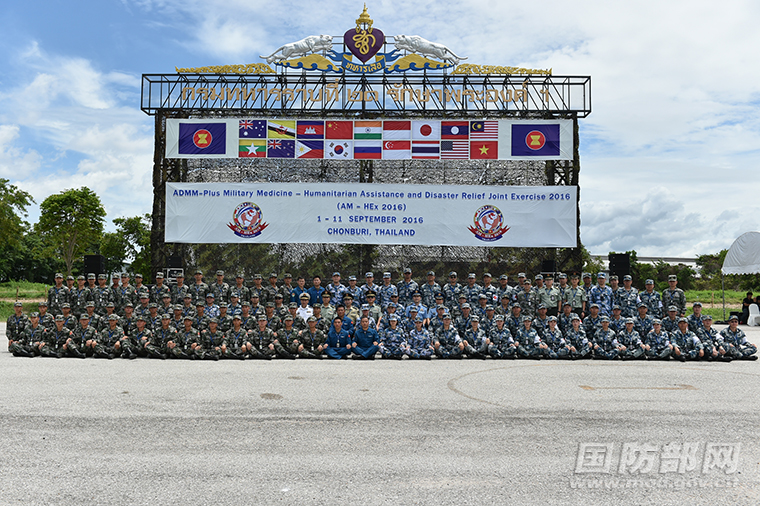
(202, 138)
(489, 224)
(247, 220)
(535, 140)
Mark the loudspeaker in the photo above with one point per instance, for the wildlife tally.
(620, 264)
(95, 264)
(548, 266)
(174, 262)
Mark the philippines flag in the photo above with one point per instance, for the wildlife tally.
(253, 129)
(202, 139)
(397, 130)
(484, 130)
(310, 129)
(310, 149)
(455, 130)
(540, 139)
(339, 130)
(368, 150)
(397, 150)
(426, 130)
(277, 148)
(426, 150)
(455, 150)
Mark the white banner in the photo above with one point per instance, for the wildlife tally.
(496, 216)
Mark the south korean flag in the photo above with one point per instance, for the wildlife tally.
(339, 150)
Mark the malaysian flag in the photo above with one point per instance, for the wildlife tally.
(484, 130)
(455, 149)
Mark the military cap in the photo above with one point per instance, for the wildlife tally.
(66, 305)
(575, 317)
(696, 303)
(18, 304)
(431, 273)
(124, 275)
(567, 303)
(504, 276)
(419, 319)
(144, 295)
(461, 296)
(179, 275)
(159, 275)
(198, 271)
(140, 318)
(369, 274)
(166, 316)
(672, 308)
(526, 319)
(439, 295)
(200, 304)
(254, 294)
(471, 275)
(386, 275)
(521, 275)
(706, 317)
(656, 321)
(407, 270)
(91, 275)
(527, 282)
(416, 294)
(270, 304)
(336, 273)
(541, 306)
(166, 295)
(613, 278)
(278, 296)
(58, 275)
(482, 296)
(627, 277)
(138, 275)
(453, 274)
(70, 277)
(100, 276)
(642, 304)
(311, 319)
(257, 276)
(447, 316)
(733, 317)
(562, 275)
(604, 319)
(304, 296)
(326, 294)
(394, 295)
(220, 273)
(177, 307)
(262, 318)
(187, 296)
(683, 320)
(239, 275)
(601, 275)
(80, 278)
(129, 304)
(188, 317)
(629, 320)
(475, 318)
(538, 276)
(586, 275)
(245, 303)
(393, 318)
(466, 305)
(272, 275)
(348, 296)
(594, 305)
(210, 294)
(223, 305)
(110, 304)
(34, 315)
(213, 320)
(293, 305)
(392, 304)
(289, 317)
(489, 307)
(498, 318)
(233, 294)
(152, 305)
(505, 295)
(352, 278)
(551, 319)
(414, 308)
(487, 274)
(616, 306)
(317, 306)
(649, 282)
(672, 277)
(371, 293)
(365, 307)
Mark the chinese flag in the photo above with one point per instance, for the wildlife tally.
(484, 150)
(339, 130)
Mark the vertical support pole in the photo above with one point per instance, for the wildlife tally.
(157, 245)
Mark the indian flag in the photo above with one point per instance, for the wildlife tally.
(368, 130)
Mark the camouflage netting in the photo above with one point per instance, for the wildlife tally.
(454, 172)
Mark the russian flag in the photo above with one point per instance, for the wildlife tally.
(368, 150)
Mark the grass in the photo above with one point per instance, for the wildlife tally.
(6, 309)
(704, 296)
(25, 290)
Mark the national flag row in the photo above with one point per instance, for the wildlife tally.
(370, 140)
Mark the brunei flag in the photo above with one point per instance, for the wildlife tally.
(281, 129)
(252, 148)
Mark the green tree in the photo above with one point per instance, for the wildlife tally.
(130, 243)
(13, 204)
(71, 222)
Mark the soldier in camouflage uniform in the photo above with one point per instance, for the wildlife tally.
(712, 342)
(58, 295)
(628, 297)
(502, 344)
(674, 296)
(179, 290)
(286, 343)
(336, 290)
(133, 345)
(605, 345)
(386, 291)
(652, 299)
(601, 295)
(504, 290)
(462, 323)
(406, 288)
(735, 341)
(541, 321)
(200, 321)
(527, 300)
(658, 342)
(695, 319)
(213, 345)
(258, 290)
(472, 290)
(355, 291)
(311, 341)
(617, 322)
(504, 307)
(27, 344)
(447, 342)
(80, 296)
(480, 308)
(419, 345)
(368, 286)
(178, 319)
(631, 347)
(392, 342)
(592, 322)
(129, 321)
(256, 308)
(93, 319)
(529, 343)
(220, 289)
(475, 339)
(558, 347)
(69, 320)
(158, 290)
(211, 309)
(103, 320)
(489, 289)
(322, 323)
(429, 289)
(54, 341)
(260, 340)
(102, 295)
(47, 320)
(234, 306)
(565, 319)
(16, 324)
(243, 292)
(143, 309)
(199, 289)
(237, 337)
(225, 320)
(451, 291)
(578, 343)
(643, 322)
(686, 344)
(247, 319)
(514, 320)
(165, 306)
(670, 322)
(156, 345)
(189, 336)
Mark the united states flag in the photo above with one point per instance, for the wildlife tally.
(455, 149)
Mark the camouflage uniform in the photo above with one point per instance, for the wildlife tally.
(199, 291)
(311, 341)
(653, 302)
(686, 345)
(27, 343)
(475, 342)
(405, 291)
(529, 344)
(428, 292)
(419, 345)
(260, 342)
(79, 299)
(643, 324)
(605, 344)
(392, 342)
(448, 341)
(102, 295)
(577, 340)
(602, 295)
(675, 297)
(56, 298)
(221, 292)
(659, 345)
(15, 326)
(528, 301)
(632, 342)
(472, 293)
(736, 344)
(156, 346)
(236, 340)
(558, 347)
(285, 345)
(53, 341)
(502, 344)
(451, 293)
(628, 301)
(211, 345)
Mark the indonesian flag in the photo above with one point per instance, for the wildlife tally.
(397, 130)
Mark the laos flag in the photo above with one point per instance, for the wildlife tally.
(539, 139)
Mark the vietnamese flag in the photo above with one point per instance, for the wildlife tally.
(339, 130)
(484, 150)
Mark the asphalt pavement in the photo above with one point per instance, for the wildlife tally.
(379, 432)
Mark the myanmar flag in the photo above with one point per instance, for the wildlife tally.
(252, 148)
(339, 130)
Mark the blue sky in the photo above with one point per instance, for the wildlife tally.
(669, 156)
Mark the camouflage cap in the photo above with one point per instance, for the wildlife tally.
(140, 318)
(336, 273)
(255, 295)
(575, 317)
(138, 275)
(239, 275)
(18, 304)
(489, 307)
(643, 304)
(220, 273)
(475, 318)
(223, 305)
(80, 278)
(466, 305)
(257, 276)
(317, 306)
(287, 275)
(58, 275)
(129, 304)
(237, 317)
(35, 314)
(292, 305)
(672, 308)
(419, 319)
(616, 307)
(505, 295)
(270, 304)
(541, 306)
(551, 319)
(152, 305)
(90, 304)
(116, 317)
(352, 278)
(627, 277)
(453, 274)
(498, 318)
(66, 305)
(461, 296)
(246, 304)
(278, 296)
(594, 305)
(288, 318)
(369, 274)
(392, 304)
(447, 316)
(198, 271)
(431, 273)
(407, 270)
(487, 275)
(521, 275)
(586, 275)
(672, 277)
(733, 317)
(706, 317)
(177, 307)
(482, 296)
(166, 295)
(210, 294)
(696, 303)
(614, 278)
(144, 295)
(110, 304)
(604, 319)
(629, 320)
(538, 276)
(91, 275)
(471, 275)
(43, 303)
(392, 318)
(649, 282)
(100, 276)
(213, 320)
(365, 307)
(200, 304)
(311, 319)
(159, 275)
(562, 275)
(188, 317)
(656, 321)
(386, 275)
(166, 316)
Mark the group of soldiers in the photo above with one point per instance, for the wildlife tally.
(86, 317)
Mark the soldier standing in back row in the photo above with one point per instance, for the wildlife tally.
(57, 295)
(673, 296)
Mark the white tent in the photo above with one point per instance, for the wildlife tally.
(743, 257)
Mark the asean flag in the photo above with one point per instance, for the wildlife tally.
(537, 140)
(339, 130)
(202, 139)
(484, 150)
